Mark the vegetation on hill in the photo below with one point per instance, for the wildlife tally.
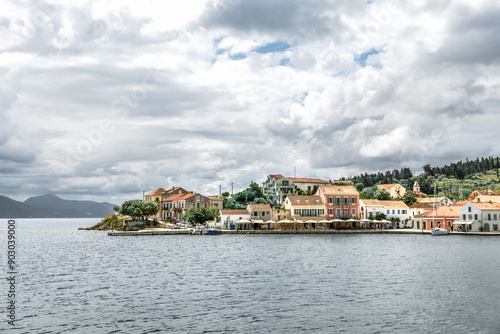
(107, 223)
(251, 195)
(456, 180)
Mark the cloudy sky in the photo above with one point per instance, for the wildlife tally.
(104, 99)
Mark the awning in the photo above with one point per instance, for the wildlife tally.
(462, 223)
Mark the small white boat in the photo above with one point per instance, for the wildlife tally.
(439, 231)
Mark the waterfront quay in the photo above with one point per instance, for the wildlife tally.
(190, 231)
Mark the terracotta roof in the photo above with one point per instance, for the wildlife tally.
(276, 176)
(305, 200)
(371, 202)
(385, 204)
(487, 206)
(488, 192)
(157, 192)
(308, 180)
(215, 198)
(338, 190)
(444, 212)
(386, 186)
(460, 204)
(421, 206)
(174, 197)
(186, 196)
(234, 212)
(429, 199)
(486, 198)
(254, 207)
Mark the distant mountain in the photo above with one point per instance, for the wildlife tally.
(51, 206)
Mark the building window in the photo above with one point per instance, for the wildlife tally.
(398, 212)
(198, 205)
(495, 227)
(198, 197)
(354, 200)
(495, 216)
(296, 212)
(464, 218)
(330, 212)
(388, 212)
(338, 212)
(470, 217)
(255, 214)
(205, 204)
(284, 183)
(470, 209)
(489, 216)
(353, 212)
(330, 200)
(313, 213)
(475, 216)
(309, 188)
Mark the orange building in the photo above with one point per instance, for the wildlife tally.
(340, 201)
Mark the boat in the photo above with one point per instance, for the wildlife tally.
(213, 231)
(439, 231)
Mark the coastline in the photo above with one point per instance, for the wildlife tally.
(162, 231)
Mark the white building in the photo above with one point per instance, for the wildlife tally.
(478, 214)
(228, 218)
(369, 208)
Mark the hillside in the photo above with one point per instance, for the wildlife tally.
(51, 206)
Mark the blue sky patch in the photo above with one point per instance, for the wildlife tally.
(237, 56)
(361, 59)
(285, 61)
(278, 46)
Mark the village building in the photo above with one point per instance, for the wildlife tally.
(259, 211)
(279, 213)
(395, 190)
(305, 207)
(475, 215)
(443, 216)
(419, 208)
(277, 187)
(435, 201)
(340, 201)
(307, 184)
(477, 193)
(395, 210)
(228, 218)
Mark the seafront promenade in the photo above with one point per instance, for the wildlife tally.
(189, 231)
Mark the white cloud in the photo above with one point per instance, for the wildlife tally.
(361, 87)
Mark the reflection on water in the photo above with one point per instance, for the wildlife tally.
(84, 281)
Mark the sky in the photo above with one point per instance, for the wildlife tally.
(102, 100)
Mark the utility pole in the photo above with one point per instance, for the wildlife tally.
(231, 189)
(220, 190)
(143, 196)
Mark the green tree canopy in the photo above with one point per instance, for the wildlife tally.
(200, 216)
(382, 194)
(409, 198)
(137, 208)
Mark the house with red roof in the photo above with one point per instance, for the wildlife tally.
(307, 184)
(395, 189)
(340, 201)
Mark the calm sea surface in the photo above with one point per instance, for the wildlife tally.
(74, 281)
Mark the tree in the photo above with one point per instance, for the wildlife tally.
(359, 186)
(138, 209)
(150, 208)
(116, 208)
(409, 198)
(200, 216)
(382, 194)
